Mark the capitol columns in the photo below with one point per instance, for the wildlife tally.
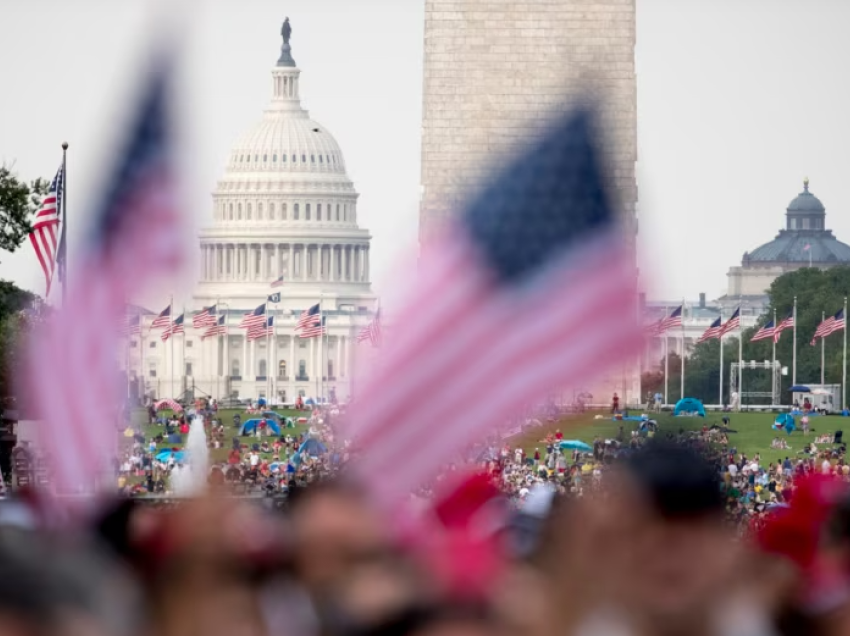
(331, 270)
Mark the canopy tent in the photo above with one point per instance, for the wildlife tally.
(164, 456)
(689, 406)
(168, 403)
(312, 447)
(251, 425)
(574, 444)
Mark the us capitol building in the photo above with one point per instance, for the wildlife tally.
(284, 207)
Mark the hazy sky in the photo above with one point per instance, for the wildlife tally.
(738, 101)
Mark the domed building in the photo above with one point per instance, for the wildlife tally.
(804, 242)
(284, 221)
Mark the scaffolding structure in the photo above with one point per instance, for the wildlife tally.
(775, 369)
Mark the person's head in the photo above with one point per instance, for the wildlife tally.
(679, 556)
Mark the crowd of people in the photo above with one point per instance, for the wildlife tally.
(651, 531)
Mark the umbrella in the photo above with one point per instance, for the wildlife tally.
(574, 444)
(799, 388)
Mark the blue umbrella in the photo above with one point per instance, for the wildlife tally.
(574, 444)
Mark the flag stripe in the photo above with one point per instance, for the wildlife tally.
(43, 234)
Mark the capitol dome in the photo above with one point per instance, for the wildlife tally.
(806, 202)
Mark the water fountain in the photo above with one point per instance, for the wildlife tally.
(190, 479)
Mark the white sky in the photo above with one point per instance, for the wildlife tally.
(738, 100)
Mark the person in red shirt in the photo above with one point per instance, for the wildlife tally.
(615, 404)
(559, 435)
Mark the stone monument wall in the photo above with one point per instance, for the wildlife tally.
(497, 71)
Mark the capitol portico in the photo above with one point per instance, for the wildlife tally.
(285, 207)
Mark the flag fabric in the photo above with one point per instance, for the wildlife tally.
(468, 319)
(653, 329)
(256, 318)
(262, 331)
(205, 318)
(767, 331)
(713, 331)
(733, 323)
(372, 331)
(807, 247)
(829, 326)
(274, 298)
(218, 329)
(308, 317)
(45, 228)
(132, 326)
(315, 330)
(175, 329)
(788, 323)
(136, 241)
(163, 320)
(278, 282)
(671, 321)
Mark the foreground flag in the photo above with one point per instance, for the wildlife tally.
(712, 332)
(544, 223)
(829, 326)
(205, 318)
(132, 326)
(308, 317)
(262, 331)
(788, 323)
(372, 331)
(45, 228)
(136, 242)
(175, 329)
(218, 329)
(256, 318)
(278, 282)
(767, 331)
(163, 320)
(733, 323)
(315, 330)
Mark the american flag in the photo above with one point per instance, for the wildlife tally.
(315, 330)
(175, 329)
(45, 229)
(733, 323)
(163, 320)
(262, 331)
(767, 331)
(653, 329)
(218, 329)
(372, 331)
(256, 318)
(552, 202)
(829, 326)
(671, 321)
(136, 242)
(132, 326)
(205, 318)
(788, 323)
(712, 332)
(278, 282)
(308, 317)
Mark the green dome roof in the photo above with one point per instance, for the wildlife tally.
(806, 202)
(790, 247)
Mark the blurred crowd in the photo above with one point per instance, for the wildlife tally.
(650, 532)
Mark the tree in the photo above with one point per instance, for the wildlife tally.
(18, 202)
(20, 310)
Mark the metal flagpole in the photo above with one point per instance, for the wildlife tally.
(721, 360)
(822, 352)
(62, 255)
(666, 360)
(773, 368)
(740, 358)
(844, 362)
(183, 356)
(682, 358)
(794, 347)
(319, 348)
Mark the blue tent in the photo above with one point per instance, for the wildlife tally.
(164, 456)
(251, 425)
(785, 421)
(574, 444)
(312, 447)
(689, 406)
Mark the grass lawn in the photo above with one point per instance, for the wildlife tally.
(140, 418)
(754, 431)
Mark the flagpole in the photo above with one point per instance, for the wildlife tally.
(822, 352)
(63, 236)
(794, 347)
(183, 378)
(171, 327)
(844, 362)
(721, 360)
(666, 359)
(740, 358)
(319, 348)
(682, 360)
(773, 367)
